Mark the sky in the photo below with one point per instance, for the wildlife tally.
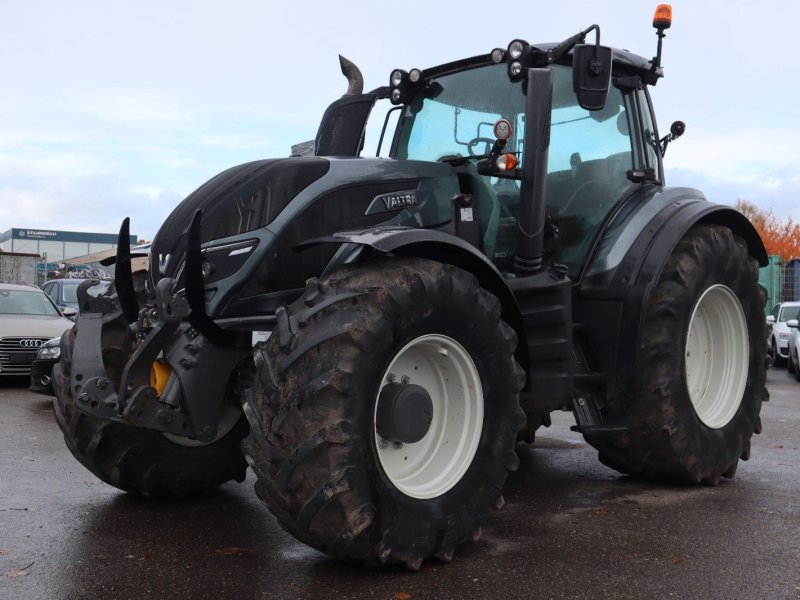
(114, 108)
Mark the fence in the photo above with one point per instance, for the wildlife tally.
(781, 280)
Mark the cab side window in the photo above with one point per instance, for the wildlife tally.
(589, 159)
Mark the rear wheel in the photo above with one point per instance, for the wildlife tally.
(145, 461)
(696, 398)
(385, 412)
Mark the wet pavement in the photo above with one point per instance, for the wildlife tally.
(571, 528)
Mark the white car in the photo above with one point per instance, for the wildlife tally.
(780, 334)
(28, 318)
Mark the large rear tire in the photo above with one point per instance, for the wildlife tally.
(145, 461)
(331, 466)
(696, 398)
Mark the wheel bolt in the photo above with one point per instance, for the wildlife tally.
(382, 444)
(405, 379)
(391, 377)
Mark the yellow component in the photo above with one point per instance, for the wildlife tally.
(663, 17)
(159, 374)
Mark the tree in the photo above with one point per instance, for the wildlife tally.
(780, 237)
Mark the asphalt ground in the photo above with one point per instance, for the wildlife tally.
(571, 528)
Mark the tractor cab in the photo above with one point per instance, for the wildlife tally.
(451, 117)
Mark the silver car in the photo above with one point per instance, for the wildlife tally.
(28, 318)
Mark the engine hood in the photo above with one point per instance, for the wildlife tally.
(238, 200)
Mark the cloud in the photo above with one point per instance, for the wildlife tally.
(45, 198)
(751, 164)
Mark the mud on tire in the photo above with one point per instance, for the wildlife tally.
(312, 411)
(667, 439)
(136, 460)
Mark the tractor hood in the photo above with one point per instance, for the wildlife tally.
(278, 205)
(238, 200)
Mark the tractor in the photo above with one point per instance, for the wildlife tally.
(516, 253)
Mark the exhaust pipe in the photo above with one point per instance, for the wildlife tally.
(355, 80)
(530, 236)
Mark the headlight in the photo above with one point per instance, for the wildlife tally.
(397, 78)
(784, 336)
(516, 48)
(48, 352)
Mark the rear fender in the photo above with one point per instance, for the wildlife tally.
(628, 262)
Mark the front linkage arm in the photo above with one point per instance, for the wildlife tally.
(191, 402)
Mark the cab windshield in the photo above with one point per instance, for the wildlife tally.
(589, 158)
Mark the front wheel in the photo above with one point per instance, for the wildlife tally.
(145, 461)
(385, 412)
(700, 370)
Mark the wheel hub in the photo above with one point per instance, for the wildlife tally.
(405, 411)
(428, 416)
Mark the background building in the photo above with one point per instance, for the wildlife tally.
(57, 245)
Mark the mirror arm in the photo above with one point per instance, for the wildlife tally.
(555, 54)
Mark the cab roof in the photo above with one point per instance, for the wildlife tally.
(630, 63)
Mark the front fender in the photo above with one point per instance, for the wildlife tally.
(442, 247)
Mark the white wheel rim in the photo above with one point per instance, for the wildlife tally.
(230, 416)
(433, 465)
(717, 356)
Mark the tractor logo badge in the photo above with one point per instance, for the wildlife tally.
(392, 201)
(163, 261)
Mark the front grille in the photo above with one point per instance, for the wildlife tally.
(16, 359)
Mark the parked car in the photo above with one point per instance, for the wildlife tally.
(793, 364)
(780, 333)
(28, 319)
(64, 292)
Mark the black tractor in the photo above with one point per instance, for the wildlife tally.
(517, 253)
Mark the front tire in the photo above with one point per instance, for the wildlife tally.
(318, 442)
(695, 401)
(144, 461)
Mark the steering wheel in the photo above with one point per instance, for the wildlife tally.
(479, 140)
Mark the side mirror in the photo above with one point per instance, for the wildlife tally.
(69, 312)
(792, 323)
(770, 319)
(591, 75)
